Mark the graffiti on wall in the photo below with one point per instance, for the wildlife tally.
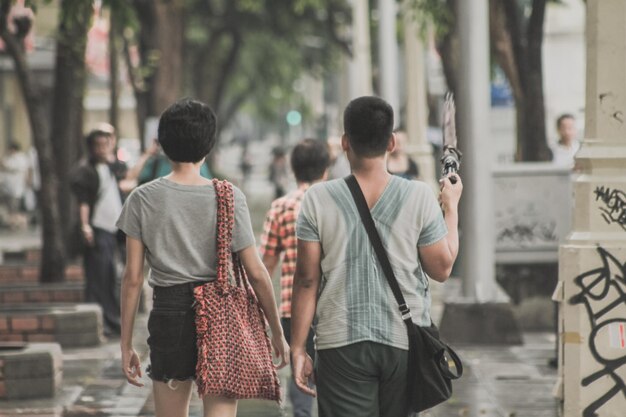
(613, 205)
(603, 294)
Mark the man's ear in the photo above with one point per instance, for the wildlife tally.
(345, 143)
(392, 143)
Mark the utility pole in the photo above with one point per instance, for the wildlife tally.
(592, 261)
(482, 313)
(388, 55)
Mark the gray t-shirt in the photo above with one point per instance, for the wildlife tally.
(176, 224)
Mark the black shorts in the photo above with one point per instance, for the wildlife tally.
(172, 334)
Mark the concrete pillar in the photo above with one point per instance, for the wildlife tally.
(360, 66)
(416, 105)
(481, 313)
(592, 261)
(388, 55)
(473, 106)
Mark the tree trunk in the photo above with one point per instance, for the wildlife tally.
(69, 88)
(114, 69)
(448, 48)
(518, 53)
(161, 35)
(535, 145)
(52, 268)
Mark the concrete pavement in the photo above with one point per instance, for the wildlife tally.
(498, 382)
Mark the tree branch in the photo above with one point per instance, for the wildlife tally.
(514, 25)
(332, 25)
(226, 69)
(235, 104)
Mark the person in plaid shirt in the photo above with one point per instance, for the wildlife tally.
(310, 160)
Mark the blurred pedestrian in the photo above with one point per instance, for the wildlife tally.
(95, 182)
(399, 162)
(128, 177)
(31, 198)
(309, 162)
(171, 222)
(360, 337)
(245, 164)
(279, 176)
(15, 165)
(339, 165)
(564, 150)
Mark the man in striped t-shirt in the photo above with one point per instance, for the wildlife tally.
(360, 337)
(309, 162)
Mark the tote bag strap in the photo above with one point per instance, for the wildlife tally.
(224, 228)
(228, 262)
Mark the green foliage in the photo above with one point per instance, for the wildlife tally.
(273, 42)
(123, 13)
(436, 12)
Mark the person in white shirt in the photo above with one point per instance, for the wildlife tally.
(95, 182)
(565, 149)
(16, 165)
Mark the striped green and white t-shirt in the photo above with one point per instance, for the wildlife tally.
(355, 303)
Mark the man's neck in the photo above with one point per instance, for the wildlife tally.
(306, 184)
(370, 169)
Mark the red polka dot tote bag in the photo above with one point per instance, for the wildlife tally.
(234, 350)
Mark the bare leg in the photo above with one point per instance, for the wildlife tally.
(219, 407)
(172, 400)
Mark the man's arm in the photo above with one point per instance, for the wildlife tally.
(133, 174)
(303, 304)
(131, 290)
(437, 259)
(85, 226)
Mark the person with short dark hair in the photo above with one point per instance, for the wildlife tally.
(564, 150)
(399, 162)
(310, 160)
(95, 182)
(171, 221)
(360, 338)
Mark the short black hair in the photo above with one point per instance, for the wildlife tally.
(563, 117)
(187, 130)
(92, 136)
(368, 123)
(309, 160)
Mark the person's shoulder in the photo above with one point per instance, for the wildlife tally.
(148, 189)
(410, 186)
(82, 168)
(237, 191)
(325, 186)
(284, 201)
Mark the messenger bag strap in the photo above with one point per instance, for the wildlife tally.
(381, 253)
